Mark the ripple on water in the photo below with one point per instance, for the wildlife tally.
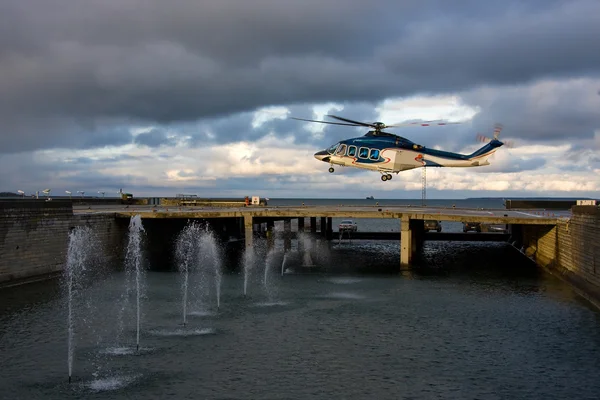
(343, 296)
(271, 303)
(125, 351)
(111, 383)
(344, 280)
(202, 313)
(183, 332)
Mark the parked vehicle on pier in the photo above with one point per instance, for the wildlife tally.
(432, 225)
(496, 228)
(348, 225)
(471, 226)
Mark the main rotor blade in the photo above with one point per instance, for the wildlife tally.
(423, 123)
(324, 122)
(351, 121)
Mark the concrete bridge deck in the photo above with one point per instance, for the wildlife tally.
(488, 216)
(410, 218)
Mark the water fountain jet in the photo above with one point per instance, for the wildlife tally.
(249, 259)
(78, 254)
(133, 265)
(198, 255)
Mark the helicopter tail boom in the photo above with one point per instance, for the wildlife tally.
(486, 150)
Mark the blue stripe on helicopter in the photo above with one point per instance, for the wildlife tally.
(384, 143)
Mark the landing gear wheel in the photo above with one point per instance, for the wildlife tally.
(331, 170)
(384, 178)
(389, 177)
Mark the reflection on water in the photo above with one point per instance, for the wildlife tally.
(475, 320)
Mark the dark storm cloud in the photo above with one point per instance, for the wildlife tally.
(155, 138)
(108, 160)
(515, 46)
(239, 127)
(69, 71)
(546, 111)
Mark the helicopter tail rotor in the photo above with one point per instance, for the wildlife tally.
(497, 130)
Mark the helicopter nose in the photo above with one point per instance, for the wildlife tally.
(322, 156)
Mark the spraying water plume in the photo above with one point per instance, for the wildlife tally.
(78, 256)
(198, 256)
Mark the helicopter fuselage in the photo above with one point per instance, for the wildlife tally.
(389, 153)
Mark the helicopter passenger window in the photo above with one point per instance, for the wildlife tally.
(352, 151)
(363, 152)
(341, 150)
(374, 154)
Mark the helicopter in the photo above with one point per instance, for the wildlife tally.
(388, 153)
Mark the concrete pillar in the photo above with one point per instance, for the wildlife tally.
(405, 243)
(287, 234)
(248, 230)
(300, 224)
(240, 222)
(324, 227)
(300, 237)
(270, 237)
(417, 228)
(329, 228)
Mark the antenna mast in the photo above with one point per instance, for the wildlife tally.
(424, 186)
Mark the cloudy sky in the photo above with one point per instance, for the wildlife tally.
(194, 96)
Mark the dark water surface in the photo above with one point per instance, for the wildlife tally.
(476, 321)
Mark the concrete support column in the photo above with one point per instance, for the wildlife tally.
(324, 227)
(329, 228)
(300, 224)
(300, 237)
(417, 228)
(287, 234)
(313, 232)
(248, 231)
(405, 243)
(270, 238)
(240, 222)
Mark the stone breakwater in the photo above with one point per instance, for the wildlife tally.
(34, 237)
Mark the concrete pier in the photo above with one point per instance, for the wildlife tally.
(34, 234)
(410, 219)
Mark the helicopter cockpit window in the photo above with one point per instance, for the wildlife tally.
(331, 150)
(363, 152)
(352, 151)
(374, 154)
(341, 151)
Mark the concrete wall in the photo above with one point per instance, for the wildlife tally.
(34, 237)
(570, 250)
